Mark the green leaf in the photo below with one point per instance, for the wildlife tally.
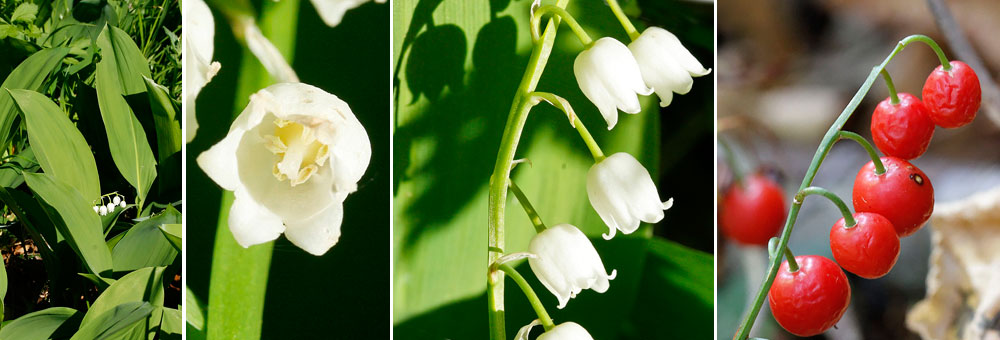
(31, 74)
(25, 12)
(123, 321)
(680, 277)
(41, 325)
(195, 315)
(60, 148)
(75, 220)
(119, 73)
(168, 128)
(144, 245)
(172, 322)
(456, 59)
(173, 231)
(142, 285)
(25, 160)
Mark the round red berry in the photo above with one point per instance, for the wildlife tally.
(869, 249)
(952, 97)
(903, 194)
(752, 210)
(812, 299)
(903, 129)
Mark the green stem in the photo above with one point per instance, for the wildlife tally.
(528, 209)
(501, 171)
(893, 96)
(563, 104)
(793, 266)
(626, 23)
(529, 293)
(824, 148)
(555, 10)
(731, 160)
(844, 210)
(879, 167)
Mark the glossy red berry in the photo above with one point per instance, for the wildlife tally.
(903, 129)
(753, 210)
(903, 194)
(812, 299)
(869, 249)
(952, 97)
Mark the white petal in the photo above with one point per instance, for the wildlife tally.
(332, 11)
(566, 331)
(639, 189)
(604, 197)
(523, 333)
(219, 162)
(567, 262)
(198, 51)
(317, 234)
(623, 193)
(269, 56)
(680, 54)
(609, 76)
(252, 223)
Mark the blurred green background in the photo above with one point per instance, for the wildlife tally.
(343, 292)
(457, 65)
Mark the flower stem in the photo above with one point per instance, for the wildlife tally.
(556, 10)
(793, 266)
(824, 148)
(893, 96)
(528, 209)
(626, 23)
(529, 293)
(501, 171)
(844, 210)
(734, 166)
(879, 167)
(563, 104)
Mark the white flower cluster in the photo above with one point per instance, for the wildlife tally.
(114, 202)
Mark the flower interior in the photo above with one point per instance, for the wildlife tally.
(300, 154)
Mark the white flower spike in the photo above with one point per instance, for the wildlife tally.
(332, 11)
(566, 331)
(666, 65)
(609, 76)
(199, 67)
(291, 158)
(567, 263)
(622, 192)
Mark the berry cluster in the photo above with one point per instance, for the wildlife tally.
(892, 199)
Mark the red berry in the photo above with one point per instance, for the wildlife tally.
(752, 211)
(812, 299)
(903, 129)
(869, 249)
(903, 194)
(952, 97)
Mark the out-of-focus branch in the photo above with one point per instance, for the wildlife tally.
(963, 49)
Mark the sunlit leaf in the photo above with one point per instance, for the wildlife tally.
(143, 285)
(123, 321)
(173, 233)
(42, 325)
(168, 128)
(144, 245)
(31, 74)
(25, 12)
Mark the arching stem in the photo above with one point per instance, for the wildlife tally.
(844, 210)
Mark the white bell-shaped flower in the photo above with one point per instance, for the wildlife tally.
(566, 331)
(567, 263)
(609, 76)
(97, 209)
(332, 11)
(666, 65)
(622, 192)
(111, 207)
(291, 158)
(116, 200)
(121, 204)
(199, 46)
(103, 210)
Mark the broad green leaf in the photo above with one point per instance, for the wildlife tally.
(119, 73)
(144, 245)
(457, 72)
(3, 285)
(123, 321)
(141, 285)
(59, 147)
(172, 232)
(31, 74)
(41, 325)
(25, 12)
(172, 322)
(10, 177)
(168, 128)
(194, 314)
(683, 279)
(75, 220)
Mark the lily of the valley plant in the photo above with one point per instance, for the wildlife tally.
(612, 75)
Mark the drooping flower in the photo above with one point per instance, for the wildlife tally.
(609, 76)
(121, 204)
(103, 210)
(567, 263)
(332, 11)
(622, 192)
(198, 65)
(565, 331)
(111, 207)
(97, 209)
(291, 158)
(666, 65)
(116, 200)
